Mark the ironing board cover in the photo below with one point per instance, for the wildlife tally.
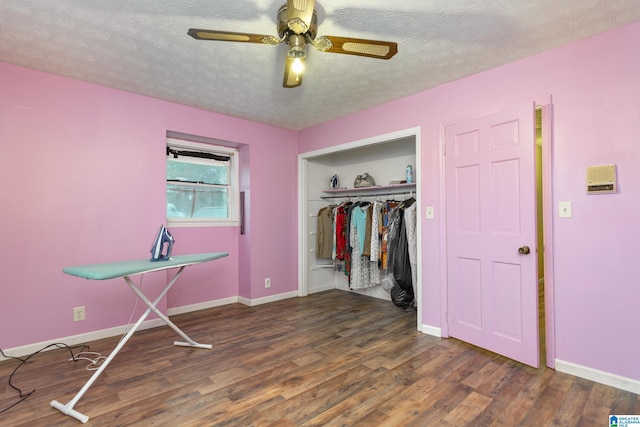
(111, 270)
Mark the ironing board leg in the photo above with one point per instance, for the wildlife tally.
(68, 409)
(189, 342)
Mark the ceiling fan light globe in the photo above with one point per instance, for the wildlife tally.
(297, 66)
(297, 52)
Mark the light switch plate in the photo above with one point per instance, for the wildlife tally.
(430, 213)
(564, 209)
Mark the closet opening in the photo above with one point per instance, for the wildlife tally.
(328, 189)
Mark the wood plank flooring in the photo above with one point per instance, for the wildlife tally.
(330, 359)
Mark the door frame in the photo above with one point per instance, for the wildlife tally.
(546, 105)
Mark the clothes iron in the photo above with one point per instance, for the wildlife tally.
(162, 245)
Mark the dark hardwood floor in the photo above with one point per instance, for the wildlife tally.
(330, 359)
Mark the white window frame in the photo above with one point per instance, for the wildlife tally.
(233, 192)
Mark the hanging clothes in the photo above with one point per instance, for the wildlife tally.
(324, 232)
(389, 206)
(360, 276)
(410, 220)
(399, 276)
(359, 225)
(366, 248)
(341, 231)
(375, 243)
(341, 259)
(376, 238)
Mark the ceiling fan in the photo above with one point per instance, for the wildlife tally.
(297, 27)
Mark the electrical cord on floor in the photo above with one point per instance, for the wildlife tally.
(95, 360)
(23, 361)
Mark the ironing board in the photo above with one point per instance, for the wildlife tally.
(124, 269)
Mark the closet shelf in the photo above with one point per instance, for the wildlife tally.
(376, 190)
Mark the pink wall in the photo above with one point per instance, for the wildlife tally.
(82, 168)
(595, 88)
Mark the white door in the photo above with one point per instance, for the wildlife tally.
(491, 232)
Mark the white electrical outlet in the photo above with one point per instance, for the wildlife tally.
(267, 282)
(78, 313)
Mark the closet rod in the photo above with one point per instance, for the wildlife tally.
(344, 196)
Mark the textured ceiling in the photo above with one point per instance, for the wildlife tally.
(142, 46)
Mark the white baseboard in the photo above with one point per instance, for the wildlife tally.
(265, 300)
(201, 306)
(79, 339)
(431, 330)
(321, 288)
(601, 377)
(148, 324)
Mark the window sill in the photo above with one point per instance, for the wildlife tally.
(199, 222)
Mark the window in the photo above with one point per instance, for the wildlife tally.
(201, 184)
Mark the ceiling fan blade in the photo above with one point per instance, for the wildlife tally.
(299, 15)
(228, 36)
(361, 47)
(291, 78)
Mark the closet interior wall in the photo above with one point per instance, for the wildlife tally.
(385, 162)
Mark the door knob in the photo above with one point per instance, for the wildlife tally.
(524, 250)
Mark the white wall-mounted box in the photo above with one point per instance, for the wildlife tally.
(601, 179)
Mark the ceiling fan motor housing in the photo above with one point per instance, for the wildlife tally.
(283, 25)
